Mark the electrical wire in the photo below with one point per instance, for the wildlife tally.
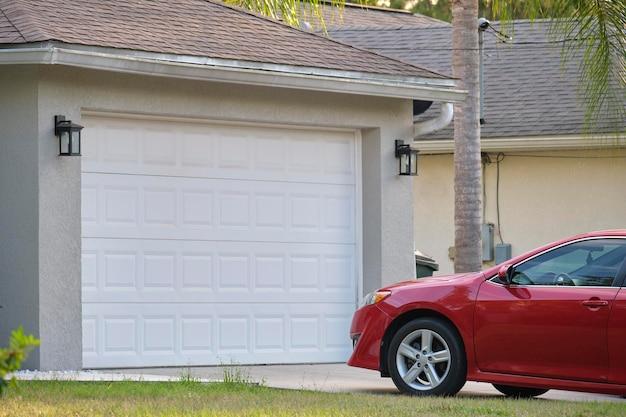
(449, 28)
(501, 36)
(565, 156)
(499, 158)
(513, 155)
(504, 47)
(504, 40)
(484, 169)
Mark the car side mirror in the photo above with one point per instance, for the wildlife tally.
(505, 273)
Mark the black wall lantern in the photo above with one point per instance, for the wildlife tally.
(69, 136)
(407, 158)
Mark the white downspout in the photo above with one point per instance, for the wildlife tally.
(428, 126)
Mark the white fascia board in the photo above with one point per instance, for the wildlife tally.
(531, 143)
(232, 71)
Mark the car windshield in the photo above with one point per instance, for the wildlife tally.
(589, 263)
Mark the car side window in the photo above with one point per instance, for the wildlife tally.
(594, 262)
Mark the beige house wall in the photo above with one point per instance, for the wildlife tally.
(544, 196)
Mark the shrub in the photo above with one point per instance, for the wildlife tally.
(11, 358)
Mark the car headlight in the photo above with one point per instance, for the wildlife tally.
(374, 297)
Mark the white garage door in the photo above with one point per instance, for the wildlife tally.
(216, 243)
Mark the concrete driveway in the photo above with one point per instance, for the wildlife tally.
(335, 378)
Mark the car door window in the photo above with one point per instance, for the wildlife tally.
(595, 262)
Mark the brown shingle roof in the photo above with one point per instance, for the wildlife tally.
(205, 28)
(529, 89)
(8, 31)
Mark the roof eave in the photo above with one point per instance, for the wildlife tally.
(527, 143)
(232, 71)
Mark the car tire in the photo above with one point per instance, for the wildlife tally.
(422, 370)
(519, 392)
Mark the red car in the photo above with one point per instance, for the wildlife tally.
(551, 318)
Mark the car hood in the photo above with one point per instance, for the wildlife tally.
(431, 280)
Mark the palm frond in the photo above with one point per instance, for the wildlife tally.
(290, 11)
(598, 29)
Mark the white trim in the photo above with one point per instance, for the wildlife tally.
(528, 143)
(359, 217)
(91, 112)
(233, 71)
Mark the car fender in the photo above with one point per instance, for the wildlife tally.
(453, 303)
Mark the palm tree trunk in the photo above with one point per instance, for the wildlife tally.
(467, 168)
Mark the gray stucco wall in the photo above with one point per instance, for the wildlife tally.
(60, 323)
(388, 248)
(372, 209)
(387, 198)
(19, 185)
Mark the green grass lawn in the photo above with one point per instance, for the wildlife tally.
(188, 398)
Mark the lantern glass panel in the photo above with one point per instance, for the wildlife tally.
(64, 143)
(413, 168)
(75, 142)
(405, 164)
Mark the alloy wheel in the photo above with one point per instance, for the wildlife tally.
(423, 359)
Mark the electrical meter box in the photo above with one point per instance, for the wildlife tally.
(503, 252)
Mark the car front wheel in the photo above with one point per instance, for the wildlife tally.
(519, 392)
(426, 357)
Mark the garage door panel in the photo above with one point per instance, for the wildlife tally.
(218, 151)
(212, 243)
(130, 206)
(131, 270)
(214, 333)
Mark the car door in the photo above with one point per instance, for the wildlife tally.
(551, 321)
(617, 339)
